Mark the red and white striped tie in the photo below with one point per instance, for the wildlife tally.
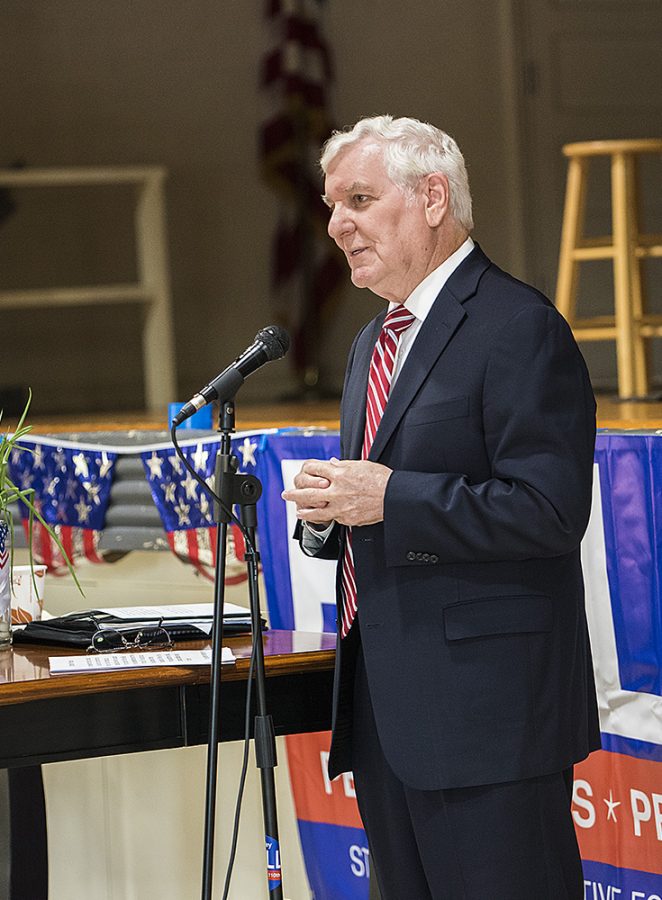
(382, 366)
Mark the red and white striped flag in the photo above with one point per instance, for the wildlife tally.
(306, 268)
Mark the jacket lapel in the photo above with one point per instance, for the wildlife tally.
(439, 327)
(353, 423)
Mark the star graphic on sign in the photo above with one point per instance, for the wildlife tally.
(176, 463)
(60, 459)
(52, 486)
(611, 806)
(200, 458)
(26, 479)
(16, 455)
(38, 457)
(204, 506)
(182, 510)
(93, 491)
(190, 485)
(169, 490)
(71, 492)
(155, 464)
(80, 463)
(247, 450)
(61, 513)
(105, 464)
(83, 511)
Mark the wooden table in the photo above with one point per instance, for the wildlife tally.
(46, 718)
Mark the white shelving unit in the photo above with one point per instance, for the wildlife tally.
(152, 287)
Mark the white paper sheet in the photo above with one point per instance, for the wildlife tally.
(105, 662)
(176, 611)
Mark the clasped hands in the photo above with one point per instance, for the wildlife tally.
(348, 491)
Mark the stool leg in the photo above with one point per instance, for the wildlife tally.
(640, 348)
(571, 234)
(623, 255)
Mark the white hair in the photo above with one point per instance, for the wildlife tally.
(411, 150)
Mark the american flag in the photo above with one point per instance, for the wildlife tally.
(306, 269)
(186, 508)
(71, 492)
(4, 544)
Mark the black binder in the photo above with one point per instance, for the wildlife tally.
(77, 629)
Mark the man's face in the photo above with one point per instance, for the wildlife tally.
(386, 239)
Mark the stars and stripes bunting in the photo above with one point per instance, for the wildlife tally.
(185, 507)
(71, 488)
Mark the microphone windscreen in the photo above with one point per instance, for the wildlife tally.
(275, 339)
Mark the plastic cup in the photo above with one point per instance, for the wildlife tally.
(27, 599)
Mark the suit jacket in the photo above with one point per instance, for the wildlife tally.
(470, 592)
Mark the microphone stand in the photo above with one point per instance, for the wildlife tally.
(244, 491)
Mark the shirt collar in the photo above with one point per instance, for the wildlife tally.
(420, 301)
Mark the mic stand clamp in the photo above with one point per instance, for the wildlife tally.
(243, 491)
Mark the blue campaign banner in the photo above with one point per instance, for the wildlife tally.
(301, 597)
(617, 802)
(337, 861)
(604, 882)
(617, 805)
(631, 487)
(333, 841)
(300, 591)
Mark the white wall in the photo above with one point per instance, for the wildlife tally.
(88, 83)
(131, 827)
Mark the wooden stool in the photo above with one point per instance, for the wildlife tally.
(630, 324)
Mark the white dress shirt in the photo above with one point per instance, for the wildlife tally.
(421, 300)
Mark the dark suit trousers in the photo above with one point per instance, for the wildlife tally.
(511, 841)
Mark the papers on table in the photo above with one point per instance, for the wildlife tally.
(105, 662)
(178, 611)
(198, 615)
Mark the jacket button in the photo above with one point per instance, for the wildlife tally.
(419, 557)
(426, 557)
(434, 558)
(411, 556)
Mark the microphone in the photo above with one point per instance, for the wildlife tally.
(270, 343)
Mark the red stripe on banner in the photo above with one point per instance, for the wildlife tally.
(235, 574)
(239, 543)
(617, 808)
(66, 536)
(194, 555)
(316, 798)
(44, 545)
(192, 543)
(213, 537)
(90, 545)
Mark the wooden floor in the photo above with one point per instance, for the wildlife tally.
(324, 414)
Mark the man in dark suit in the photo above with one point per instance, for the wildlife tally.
(464, 687)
